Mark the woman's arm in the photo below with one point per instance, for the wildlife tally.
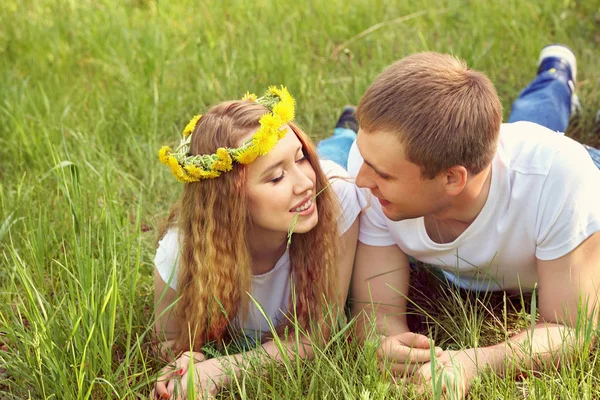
(348, 242)
(212, 374)
(166, 326)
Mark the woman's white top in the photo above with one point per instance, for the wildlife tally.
(271, 290)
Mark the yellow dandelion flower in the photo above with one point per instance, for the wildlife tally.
(282, 132)
(189, 128)
(224, 162)
(246, 156)
(285, 110)
(192, 170)
(282, 93)
(177, 170)
(210, 174)
(249, 97)
(270, 121)
(264, 140)
(164, 154)
(198, 173)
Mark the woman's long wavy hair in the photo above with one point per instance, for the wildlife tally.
(215, 274)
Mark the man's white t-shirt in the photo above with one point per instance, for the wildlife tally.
(272, 289)
(544, 200)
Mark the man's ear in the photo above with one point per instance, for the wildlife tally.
(455, 179)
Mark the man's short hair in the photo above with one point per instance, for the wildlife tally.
(444, 113)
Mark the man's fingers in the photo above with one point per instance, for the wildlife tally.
(409, 347)
(411, 339)
(400, 369)
(419, 341)
(423, 374)
(399, 353)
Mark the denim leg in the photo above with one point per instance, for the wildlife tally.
(337, 146)
(594, 153)
(546, 101)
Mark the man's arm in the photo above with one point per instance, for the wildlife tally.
(566, 282)
(568, 286)
(379, 289)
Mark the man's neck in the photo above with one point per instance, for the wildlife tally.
(466, 206)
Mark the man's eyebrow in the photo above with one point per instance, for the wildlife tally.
(375, 169)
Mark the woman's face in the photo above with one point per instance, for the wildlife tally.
(280, 185)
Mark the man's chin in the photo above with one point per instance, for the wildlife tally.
(391, 215)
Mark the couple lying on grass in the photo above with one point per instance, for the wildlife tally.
(268, 239)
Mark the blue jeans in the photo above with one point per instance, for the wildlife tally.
(337, 146)
(546, 101)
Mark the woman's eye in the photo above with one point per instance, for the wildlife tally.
(278, 178)
(303, 158)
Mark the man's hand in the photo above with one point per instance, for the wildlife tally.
(455, 369)
(405, 352)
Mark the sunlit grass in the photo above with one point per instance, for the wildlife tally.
(92, 89)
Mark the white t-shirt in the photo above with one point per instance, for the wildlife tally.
(544, 200)
(272, 289)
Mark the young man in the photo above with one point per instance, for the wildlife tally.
(495, 206)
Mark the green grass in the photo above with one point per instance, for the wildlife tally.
(91, 89)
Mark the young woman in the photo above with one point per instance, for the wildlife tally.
(251, 177)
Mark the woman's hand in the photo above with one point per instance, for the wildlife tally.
(208, 379)
(171, 375)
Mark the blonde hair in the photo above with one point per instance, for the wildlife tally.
(444, 113)
(215, 265)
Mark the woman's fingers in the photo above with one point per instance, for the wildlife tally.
(163, 380)
(169, 376)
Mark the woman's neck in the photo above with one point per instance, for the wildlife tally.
(266, 248)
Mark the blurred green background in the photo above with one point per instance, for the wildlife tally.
(91, 89)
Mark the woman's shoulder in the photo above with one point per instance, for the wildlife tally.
(345, 189)
(340, 180)
(167, 255)
(332, 169)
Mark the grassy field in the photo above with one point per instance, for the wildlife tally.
(91, 89)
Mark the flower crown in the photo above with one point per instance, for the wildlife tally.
(187, 168)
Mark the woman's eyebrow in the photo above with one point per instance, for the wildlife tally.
(277, 164)
(271, 167)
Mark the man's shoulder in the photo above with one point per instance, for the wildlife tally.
(530, 149)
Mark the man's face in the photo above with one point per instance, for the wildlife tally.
(395, 181)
